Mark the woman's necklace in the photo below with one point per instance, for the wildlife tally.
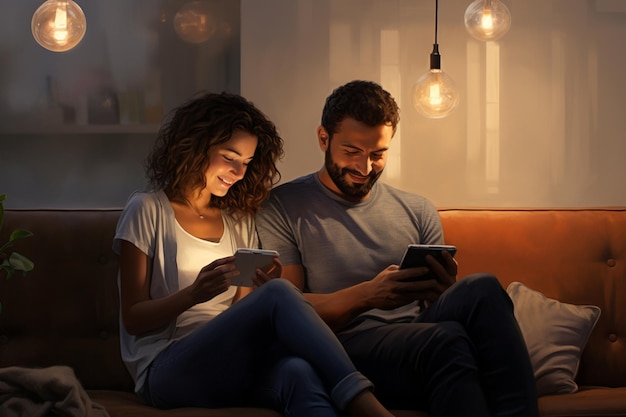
(194, 209)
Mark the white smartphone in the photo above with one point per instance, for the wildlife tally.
(248, 260)
(415, 255)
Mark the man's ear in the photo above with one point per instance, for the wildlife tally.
(322, 138)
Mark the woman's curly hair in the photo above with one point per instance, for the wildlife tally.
(180, 156)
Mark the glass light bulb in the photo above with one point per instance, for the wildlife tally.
(195, 22)
(435, 94)
(58, 25)
(487, 20)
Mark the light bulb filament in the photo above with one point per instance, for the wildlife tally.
(60, 24)
(434, 96)
(486, 21)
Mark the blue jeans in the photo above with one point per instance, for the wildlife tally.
(270, 349)
(464, 356)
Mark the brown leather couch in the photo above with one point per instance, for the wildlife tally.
(65, 312)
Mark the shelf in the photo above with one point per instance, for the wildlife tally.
(67, 129)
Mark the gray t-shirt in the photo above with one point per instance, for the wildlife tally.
(341, 243)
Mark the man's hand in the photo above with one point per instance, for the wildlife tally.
(446, 275)
(394, 287)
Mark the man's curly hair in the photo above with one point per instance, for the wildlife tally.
(180, 156)
(364, 101)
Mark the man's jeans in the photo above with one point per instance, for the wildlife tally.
(463, 357)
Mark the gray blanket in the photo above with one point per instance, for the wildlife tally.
(44, 392)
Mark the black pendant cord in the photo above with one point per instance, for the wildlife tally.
(435, 58)
(436, 19)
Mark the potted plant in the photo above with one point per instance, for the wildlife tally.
(12, 261)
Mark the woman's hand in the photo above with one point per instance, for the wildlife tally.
(213, 279)
(141, 313)
(274, 271)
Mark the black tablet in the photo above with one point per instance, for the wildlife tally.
(415, 255)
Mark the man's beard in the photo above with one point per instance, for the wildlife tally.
(350, 190)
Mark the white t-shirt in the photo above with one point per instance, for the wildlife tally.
(193, 255)
(148, 222)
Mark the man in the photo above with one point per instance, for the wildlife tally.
(451, 348)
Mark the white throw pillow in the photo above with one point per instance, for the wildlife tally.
(555, 333)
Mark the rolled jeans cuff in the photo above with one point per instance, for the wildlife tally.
(348, 388)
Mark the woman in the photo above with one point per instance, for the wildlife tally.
(188, 337)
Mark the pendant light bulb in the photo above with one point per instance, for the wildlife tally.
(195, 22)
(487, 20)
(435, 94)
(58, 25)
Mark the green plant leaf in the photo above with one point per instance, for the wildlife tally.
(15, 235)
(19, 234)
(9, 263)
(2, 198)
(20, 262)
(7, 267)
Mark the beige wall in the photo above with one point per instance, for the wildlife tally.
(541, 122)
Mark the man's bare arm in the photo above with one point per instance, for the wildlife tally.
(385, 291)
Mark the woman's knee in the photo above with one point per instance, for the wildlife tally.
(296, 369)
(279, 287)
(280, 290)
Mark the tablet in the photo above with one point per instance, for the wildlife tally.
(415, 255)
(248, 260)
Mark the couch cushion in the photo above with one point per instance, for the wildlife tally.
(587, 402)
(576, 256)
(555, 334)
(126, 404)
(65, 311)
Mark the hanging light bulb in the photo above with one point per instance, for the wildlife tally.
(195, 22)
(434, 93)
(487, 20)
(58, 25)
